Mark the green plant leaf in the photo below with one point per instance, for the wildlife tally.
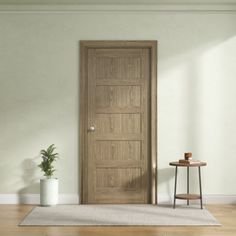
(48, 157)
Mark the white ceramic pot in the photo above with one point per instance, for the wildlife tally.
(48, 192)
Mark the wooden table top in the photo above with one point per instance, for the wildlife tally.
(176, 163)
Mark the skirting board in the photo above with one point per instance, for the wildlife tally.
(74, 199)
(35, 199)
(207, 199)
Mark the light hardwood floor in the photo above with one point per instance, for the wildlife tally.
(11, 215)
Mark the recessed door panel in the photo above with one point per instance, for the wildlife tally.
(118, 150)
(112, 97)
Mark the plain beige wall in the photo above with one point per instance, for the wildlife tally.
(39, 92)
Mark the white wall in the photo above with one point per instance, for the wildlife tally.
(39, 92)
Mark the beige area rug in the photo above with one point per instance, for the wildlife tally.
(118, 215)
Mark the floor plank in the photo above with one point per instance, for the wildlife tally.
(11, 215)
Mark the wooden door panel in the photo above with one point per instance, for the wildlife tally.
(123, 184)
(118, 95)
(119, 196)
(112, 97)
(126, 179)
(118, 124)
(125, 64)
(118, 150)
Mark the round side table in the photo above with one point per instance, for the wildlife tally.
(188, 196)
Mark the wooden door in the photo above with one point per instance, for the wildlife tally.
(117, 163)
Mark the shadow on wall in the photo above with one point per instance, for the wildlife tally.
(165, 176)
(29, 178)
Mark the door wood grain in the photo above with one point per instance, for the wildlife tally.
(118, 122)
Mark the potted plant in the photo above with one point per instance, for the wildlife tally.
(48, 185)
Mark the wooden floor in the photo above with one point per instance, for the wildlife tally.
(11, 215)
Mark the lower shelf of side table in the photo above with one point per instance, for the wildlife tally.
(187, 196)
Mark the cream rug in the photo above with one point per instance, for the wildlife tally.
(118, 215)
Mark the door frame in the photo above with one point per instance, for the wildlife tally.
(83, 126)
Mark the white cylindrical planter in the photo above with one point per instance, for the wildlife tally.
(48, 192)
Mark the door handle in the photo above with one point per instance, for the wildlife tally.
(91, 129)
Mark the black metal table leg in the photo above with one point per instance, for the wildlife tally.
(176, 170)
(200, 185)
(188, 183)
